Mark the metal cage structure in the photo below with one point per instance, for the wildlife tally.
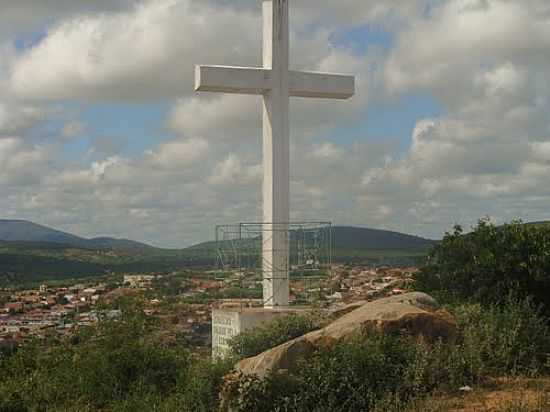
(240, 247)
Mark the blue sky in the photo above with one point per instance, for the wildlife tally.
(132, 128)
(101, 132)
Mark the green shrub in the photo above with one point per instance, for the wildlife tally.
(484, 266)
(499, 340)
(117, 366)
(380, 372)
(203, 380)
(351, 376)
(507, 339)
(266, 336)
(371, 372)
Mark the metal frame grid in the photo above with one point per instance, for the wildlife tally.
(240, 248)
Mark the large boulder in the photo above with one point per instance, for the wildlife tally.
(416, 314)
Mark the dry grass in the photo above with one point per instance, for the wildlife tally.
(503, 395)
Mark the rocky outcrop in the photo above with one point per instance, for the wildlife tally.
(416, 314)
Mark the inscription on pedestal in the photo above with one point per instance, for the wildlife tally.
(225, 325)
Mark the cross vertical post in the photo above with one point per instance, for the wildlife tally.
(275, 83)
(276, 155)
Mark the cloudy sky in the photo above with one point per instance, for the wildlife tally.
(101, 133)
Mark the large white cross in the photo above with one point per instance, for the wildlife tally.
(276, 83)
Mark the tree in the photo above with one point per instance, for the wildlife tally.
(489, 263)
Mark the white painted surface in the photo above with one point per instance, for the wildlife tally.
(227, 79)
(321, 85)
(225, 326)
(276, 83)
(252, 80)
(276, 152)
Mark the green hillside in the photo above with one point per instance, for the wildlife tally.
(374, 246)
(35, 261)
(23, 262)
(363, 245)
(25, 231)
(375, 239)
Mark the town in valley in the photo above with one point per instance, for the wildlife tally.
(57, 312)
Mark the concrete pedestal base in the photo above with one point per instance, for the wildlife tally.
(227, 323)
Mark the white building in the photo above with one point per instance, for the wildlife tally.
(139, 281)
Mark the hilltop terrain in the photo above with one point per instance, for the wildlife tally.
(25, 231)
(32, 252)
(149, 339)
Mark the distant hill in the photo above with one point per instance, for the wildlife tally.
(357, 238)
(375, 239)
(25, 231)
(359, 245)
(117, 244)
(31, 253)
(345, 237)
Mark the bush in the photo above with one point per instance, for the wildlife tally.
(380, 372)
(274, 333)
(484, 266)
(199, 392)
(351, 376)
(508, 339)
(117, 366)
(371, 372)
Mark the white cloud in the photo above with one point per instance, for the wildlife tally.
(226, 117)
(21, 15)
(485, 62)
(178, 154)
(540, 151)
(327, 152)
(16, 119)
(329, 13)
(462, 39)
(179, 188)
(133, 53)
(488, 153)
(231, 171)
(99, 169)
(21, 164)
(146, 52)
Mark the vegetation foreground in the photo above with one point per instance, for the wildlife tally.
(492, 280)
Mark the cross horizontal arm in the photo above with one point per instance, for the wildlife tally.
(227, 79)
(321, 85)
(245, 80)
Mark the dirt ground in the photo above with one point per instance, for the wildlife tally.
(502, 395)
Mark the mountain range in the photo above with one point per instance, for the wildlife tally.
(349, 238)
(31, 253)
(25, 231)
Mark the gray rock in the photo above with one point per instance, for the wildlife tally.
(417, 314)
